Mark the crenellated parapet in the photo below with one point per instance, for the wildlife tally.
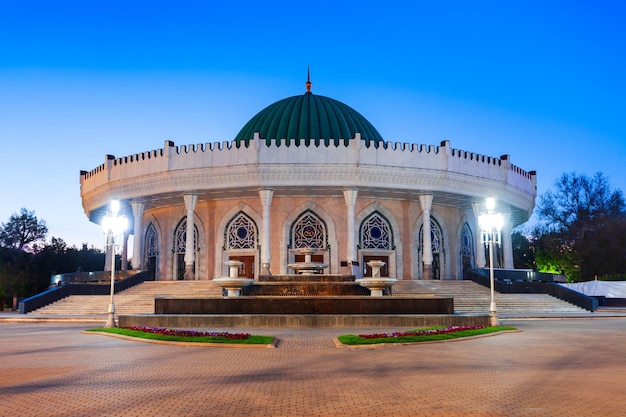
(258, 163)
(409, 155)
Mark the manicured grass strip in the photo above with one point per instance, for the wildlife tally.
(249, 340)
(352, 339)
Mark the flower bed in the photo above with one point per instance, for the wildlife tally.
(191, 336)
(422, 332)
(189, 333)
(420, 335)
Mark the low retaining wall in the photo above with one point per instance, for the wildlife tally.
(304, 305)
(297, 321)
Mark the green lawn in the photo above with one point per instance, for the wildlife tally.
(189, 336)
(407, 337)
(410, 336)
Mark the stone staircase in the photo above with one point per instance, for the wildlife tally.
(469, 298)
(135, 300)
(473, 298)
(612, 310)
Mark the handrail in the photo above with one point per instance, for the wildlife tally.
(84, 277)
(533, 287)
(509, 276)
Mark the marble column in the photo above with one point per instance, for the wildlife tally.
(507, 242)
(426, 201)
(266, 250)
(138, 207)
(190, 248)
(350, 196)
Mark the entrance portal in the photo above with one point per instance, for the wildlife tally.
(436, 266)
(151, 266)
(180, 266)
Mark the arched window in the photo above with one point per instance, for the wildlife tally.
(152, 241)
(308, 231)
(180, 242)
(466, 241)
(151, 250)
(436, 238)
(241, 233)
(467, 248)
(180, 247)
(376, 233)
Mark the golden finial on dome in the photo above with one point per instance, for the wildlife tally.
(308, 80)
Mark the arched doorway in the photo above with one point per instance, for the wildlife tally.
(309, 231)
(376, 242)
(241, 239)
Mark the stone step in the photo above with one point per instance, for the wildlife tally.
(135, 300)
(472, 297)
(469, 297)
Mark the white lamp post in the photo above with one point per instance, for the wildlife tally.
(114, 226)
(491, 224)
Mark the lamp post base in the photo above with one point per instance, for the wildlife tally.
(110, 317)
(110, 322)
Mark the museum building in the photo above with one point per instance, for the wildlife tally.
(309, 172)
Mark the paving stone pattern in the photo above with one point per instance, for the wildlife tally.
(551, 368)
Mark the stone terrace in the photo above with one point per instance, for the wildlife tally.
(469, 298)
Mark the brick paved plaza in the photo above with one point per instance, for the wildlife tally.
(573, 367)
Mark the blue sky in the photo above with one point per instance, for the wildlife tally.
(542, 81)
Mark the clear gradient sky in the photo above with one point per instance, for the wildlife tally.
(542, 81)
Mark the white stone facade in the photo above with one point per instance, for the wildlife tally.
(367, 202)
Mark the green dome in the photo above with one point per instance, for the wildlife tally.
(312, 118)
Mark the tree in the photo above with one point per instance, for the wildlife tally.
(552, 256)
(57, 258)
(17, 275)
(26, 265)
(581, 229)
(579, 203)
(604, 250)
(22, 230)
(23, 274)
(523, 256)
